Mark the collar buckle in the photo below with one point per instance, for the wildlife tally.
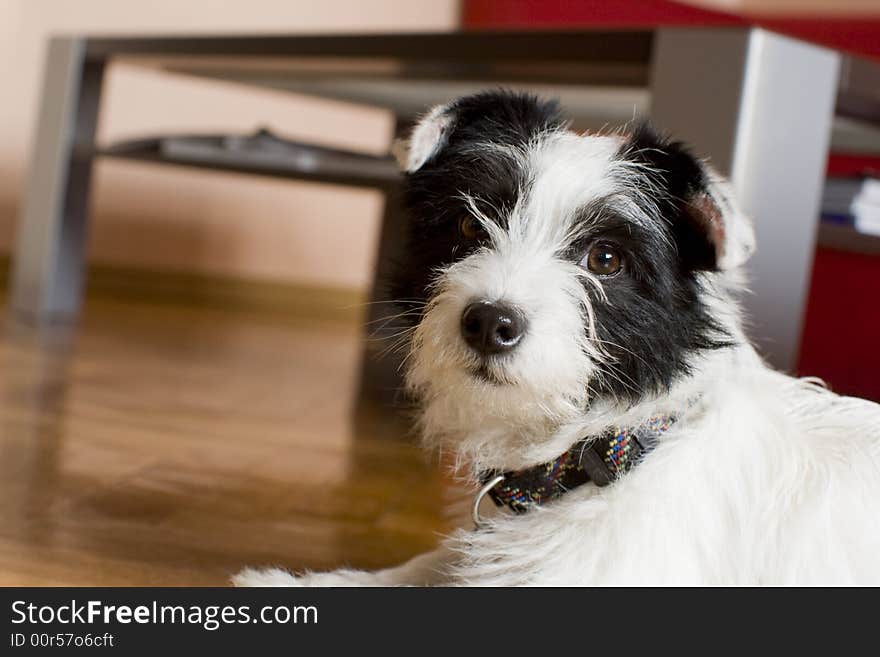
(478, 498)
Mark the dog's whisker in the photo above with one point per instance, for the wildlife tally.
(393, 302)
(390, 318)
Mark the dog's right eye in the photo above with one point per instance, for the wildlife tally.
(603, 259)
(469, 227)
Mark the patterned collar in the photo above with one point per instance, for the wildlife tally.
(599, 459)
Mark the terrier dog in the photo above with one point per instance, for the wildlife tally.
(579, 347)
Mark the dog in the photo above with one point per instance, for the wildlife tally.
(578, 346)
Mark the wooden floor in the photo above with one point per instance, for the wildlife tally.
(161, 445)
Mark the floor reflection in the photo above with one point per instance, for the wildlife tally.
(168, 445)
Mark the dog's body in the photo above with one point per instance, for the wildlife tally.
(565, 284)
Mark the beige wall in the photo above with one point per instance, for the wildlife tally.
(176, 219)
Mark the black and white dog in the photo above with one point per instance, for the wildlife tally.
(579, 347)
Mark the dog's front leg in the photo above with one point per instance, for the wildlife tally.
(424, 570)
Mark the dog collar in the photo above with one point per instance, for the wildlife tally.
(600, 459)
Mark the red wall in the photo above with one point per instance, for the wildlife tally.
(841, 340)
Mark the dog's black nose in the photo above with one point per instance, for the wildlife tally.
(492, 328)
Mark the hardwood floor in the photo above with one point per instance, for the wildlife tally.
(162, 445)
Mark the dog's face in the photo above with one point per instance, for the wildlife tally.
(551, 270)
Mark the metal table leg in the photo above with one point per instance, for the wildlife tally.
(47, 269)
(760, 106)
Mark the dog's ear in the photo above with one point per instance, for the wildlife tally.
(502, 117)
(730, 230)
(711, 230)
(426, 139)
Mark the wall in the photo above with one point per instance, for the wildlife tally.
(175, 219)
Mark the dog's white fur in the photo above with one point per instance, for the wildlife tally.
(764, 480)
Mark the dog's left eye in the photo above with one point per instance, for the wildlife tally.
(469, 227)
(602, 259)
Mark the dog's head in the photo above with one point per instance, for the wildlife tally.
(552, 270)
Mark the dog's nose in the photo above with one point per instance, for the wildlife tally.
(492, 328)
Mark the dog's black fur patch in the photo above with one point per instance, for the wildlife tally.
(676, 171)
(654, 319)
(433, 193)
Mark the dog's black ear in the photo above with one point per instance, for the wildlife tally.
(499, 117)
(710, 230)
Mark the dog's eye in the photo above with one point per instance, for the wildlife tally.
(469, 227)
(603, 259)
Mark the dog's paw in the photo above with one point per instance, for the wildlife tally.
(265, 577)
